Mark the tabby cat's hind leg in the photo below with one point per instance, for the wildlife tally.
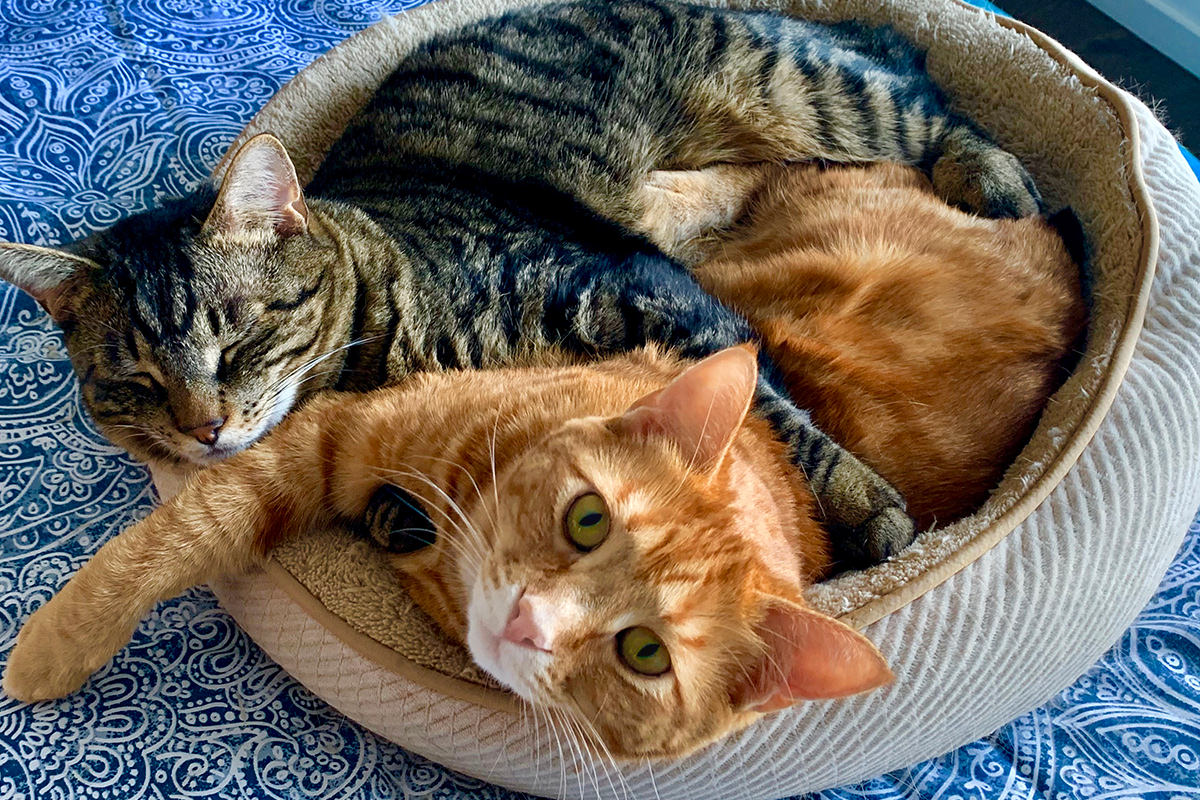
(683, 209)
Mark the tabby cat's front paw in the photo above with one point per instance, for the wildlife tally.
(865, 514)
(45, 664)
(397, 521)
(979, 177)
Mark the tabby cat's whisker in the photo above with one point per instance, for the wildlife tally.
(269, 400)
(119, 427)
(316, 360)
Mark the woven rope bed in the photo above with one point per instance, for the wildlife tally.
(981, 620)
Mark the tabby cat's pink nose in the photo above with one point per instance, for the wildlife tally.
(208, 432)
(523, 627)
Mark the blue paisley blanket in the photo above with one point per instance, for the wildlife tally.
(107, 107)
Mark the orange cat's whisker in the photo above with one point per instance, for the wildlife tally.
(562, 761)
(593, 736)
(461, 544)
(588, 742)
(653, 782)
(492, 458)
(471, 478)
(577, 757)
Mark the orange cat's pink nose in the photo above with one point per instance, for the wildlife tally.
(524, 626)
(208, 432)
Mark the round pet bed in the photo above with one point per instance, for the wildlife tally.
(981, 620)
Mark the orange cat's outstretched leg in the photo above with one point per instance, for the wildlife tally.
(94, 615)
(222, 522)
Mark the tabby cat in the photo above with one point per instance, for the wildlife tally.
(548, 484)
(476, 210)
(925, 340)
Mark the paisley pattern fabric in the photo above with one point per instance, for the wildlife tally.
(108, 107)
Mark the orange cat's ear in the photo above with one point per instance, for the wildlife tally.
(260, 192)
(808, 656)
(701, 410)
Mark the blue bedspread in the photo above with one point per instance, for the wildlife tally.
(107, 107)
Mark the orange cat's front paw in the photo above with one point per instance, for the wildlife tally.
(45, 664)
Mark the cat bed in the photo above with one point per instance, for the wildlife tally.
(981, 620)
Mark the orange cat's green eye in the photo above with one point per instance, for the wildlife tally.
(642, 651)
(586, 522)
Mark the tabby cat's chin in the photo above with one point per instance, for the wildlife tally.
(233, 441)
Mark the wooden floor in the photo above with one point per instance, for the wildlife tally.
(1122, 58)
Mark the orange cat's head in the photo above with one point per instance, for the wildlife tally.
(643, 572)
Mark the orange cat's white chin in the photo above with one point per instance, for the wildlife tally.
(514, 665)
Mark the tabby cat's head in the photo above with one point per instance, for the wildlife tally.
(184, 323)
(643, 572)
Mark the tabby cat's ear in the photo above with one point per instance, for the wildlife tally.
(701, 410)
(807, 656)
(46, 274)
(260, 192)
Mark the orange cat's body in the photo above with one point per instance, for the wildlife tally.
(923, 339)
(710, 539)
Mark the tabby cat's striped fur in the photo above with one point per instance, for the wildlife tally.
(473, 212)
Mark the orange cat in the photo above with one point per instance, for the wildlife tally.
(619, 541)
(924, 339)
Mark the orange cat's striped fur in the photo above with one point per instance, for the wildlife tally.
(911, 330)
